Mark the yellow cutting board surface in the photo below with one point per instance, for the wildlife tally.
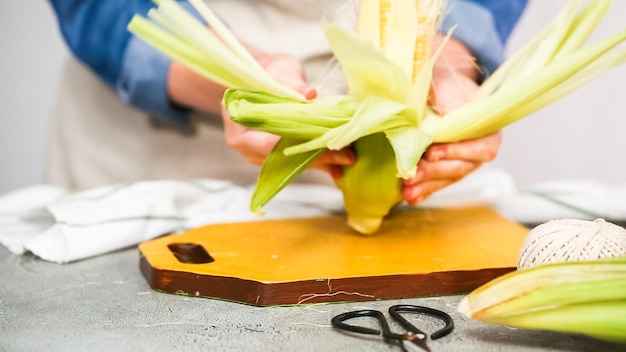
(466, 242)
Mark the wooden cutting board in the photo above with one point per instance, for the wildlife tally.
(282, 262)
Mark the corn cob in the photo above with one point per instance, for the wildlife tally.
(586, 297)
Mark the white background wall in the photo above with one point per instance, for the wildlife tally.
(579, 137)
(31, 56)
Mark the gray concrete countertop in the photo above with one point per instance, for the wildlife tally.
(104, 304)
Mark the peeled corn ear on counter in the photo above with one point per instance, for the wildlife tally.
(384, 117)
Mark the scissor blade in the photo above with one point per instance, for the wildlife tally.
(415, 345)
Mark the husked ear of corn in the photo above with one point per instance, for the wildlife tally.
(385, 117)
(585, 297)
(390, 148)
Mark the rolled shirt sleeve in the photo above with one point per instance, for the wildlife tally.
(96, 33)
(143, 79)
(142, 82)
(484, 27)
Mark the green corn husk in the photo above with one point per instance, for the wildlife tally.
(388, 71)
(287, 117)
(283, 168)
(216, 54)
(376, 161)
(533, 79)
(585, 297)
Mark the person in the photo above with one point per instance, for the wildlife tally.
(125, 112)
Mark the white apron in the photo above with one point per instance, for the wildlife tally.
(98, 140)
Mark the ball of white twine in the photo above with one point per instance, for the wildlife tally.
(571, 240)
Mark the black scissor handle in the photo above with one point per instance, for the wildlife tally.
(394, 311)
(339, 322)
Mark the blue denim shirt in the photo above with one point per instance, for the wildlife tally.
(96, 33)
(484, 26)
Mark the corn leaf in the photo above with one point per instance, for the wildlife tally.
(226, 35)
(577, 80)
(583, 26)
(367, 69)
(375, 114)
(370, 187)
(487, 115)
(278, 171)
(408, 143)
(587, 297)
(178, 50)
(184, 38)
(287, 117)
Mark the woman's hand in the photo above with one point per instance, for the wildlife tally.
(454, 84)
(256, 145)
(444, 164)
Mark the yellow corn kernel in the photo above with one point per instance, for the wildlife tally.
(428, 12)
(384, 10)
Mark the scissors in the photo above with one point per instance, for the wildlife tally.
(413, 339)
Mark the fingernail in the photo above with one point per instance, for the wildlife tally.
(309, 92)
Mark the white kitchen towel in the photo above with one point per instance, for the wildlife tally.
(560, 199)
(23, 214)
(60, 226)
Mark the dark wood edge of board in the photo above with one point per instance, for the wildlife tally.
(320, 290)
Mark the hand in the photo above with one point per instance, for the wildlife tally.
(454, 84)
(255, 145)
(445, 164)
(454, 77)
